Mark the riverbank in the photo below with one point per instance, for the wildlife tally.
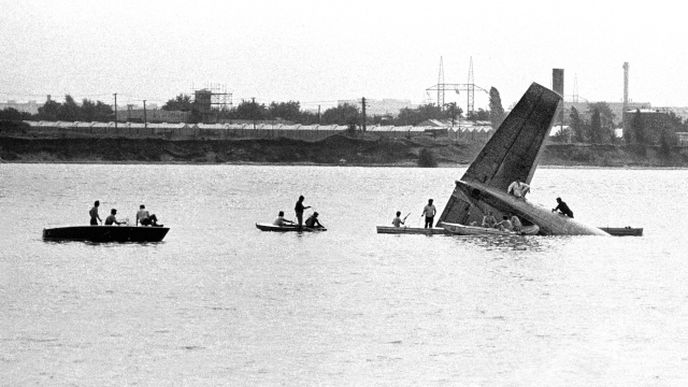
(335, 150)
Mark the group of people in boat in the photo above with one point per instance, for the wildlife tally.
(517, 188)
(143, 217)
(429, 212)
(311, 222)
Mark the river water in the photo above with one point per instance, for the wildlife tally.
(219, 302)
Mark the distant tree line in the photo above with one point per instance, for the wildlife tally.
(68, 110)
(291, 111)
(597, 126)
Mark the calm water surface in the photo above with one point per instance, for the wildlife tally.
(219, 302)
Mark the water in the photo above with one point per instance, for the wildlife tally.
(219, 302)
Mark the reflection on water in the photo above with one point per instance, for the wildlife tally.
(220, 302)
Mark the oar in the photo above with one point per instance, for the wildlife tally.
(404, 221)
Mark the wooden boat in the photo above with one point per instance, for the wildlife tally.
(272, 227)
(460, 229)
(410, 230)
(106, 233)
(623, 231)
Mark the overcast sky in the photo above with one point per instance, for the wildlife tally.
(320, 51)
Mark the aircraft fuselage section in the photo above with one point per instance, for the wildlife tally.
(550, 223)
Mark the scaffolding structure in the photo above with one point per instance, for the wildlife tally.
(215, 96)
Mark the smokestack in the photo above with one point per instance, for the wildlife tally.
(625, 100)
(625, 97)
(558, 87)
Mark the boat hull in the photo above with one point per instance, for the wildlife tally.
(623, 231)
(106, 233)
(272, 227)
(460, 229)
(409, 230)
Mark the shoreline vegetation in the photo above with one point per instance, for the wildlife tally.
(337, 150)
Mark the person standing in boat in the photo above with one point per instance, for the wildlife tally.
(518, 189)
(429, 212)
(145, 218)
(94, 214)
(281, 222)
(563, 208)
(112, 218)
(298, 209)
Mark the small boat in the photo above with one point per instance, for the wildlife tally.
(461, 229)
(106, 233)
(409, 230)
(272, 227)
(623, 231)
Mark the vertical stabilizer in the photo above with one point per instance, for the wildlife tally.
(511, 153)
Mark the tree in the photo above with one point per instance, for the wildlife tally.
(667, 140)
(577, 126)
(12, 114)
(103, 112)
(251, 110)
(87, 110)
(289, 111)
(638, 128)
(48, 112)
(497, 114)
(69, 110)
(595, 128)
(480, 115)
(606, 114)
(452, 112)
(421, 113)
(182, 102)
(344, 114)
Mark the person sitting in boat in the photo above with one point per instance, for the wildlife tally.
(113, 219)
(145, 218)
(516, 222)
(489, 221)
(313, 222)
(518, 189)
(563, 208)
(93, 213)
(397, 222)
(281, 222)
(505, 224)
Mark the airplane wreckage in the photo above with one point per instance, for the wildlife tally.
(511, 154)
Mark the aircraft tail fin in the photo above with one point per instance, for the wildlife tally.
(511, 153)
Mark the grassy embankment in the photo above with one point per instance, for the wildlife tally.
(335, 150)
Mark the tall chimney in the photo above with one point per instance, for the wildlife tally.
(625, 100)
(558, 87)
(625, 97)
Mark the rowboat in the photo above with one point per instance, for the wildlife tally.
(461, 229)
(410, 230)
(287, 228)
(623, 231)
(106, 233)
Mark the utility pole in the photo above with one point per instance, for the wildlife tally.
(363, 104)
(145, 121)
(115, 111)
(318, 114)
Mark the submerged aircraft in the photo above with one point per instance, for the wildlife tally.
(512, 153)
